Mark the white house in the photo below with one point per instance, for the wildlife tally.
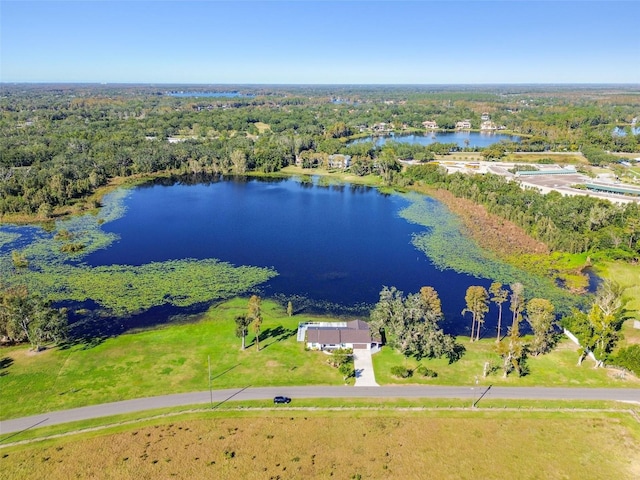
(339, 161)
(329, 336)
(463, 125)
(488, 125)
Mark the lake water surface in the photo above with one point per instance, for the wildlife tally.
(462, 138)
(334, 247)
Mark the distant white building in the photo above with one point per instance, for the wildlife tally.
(430, 125)
(381, 127)
(463, 125)
(339, 161)
(488, 125)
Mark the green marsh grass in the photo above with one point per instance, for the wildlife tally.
(446, 245)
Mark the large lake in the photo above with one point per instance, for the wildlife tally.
(462, 139)
(333, 246)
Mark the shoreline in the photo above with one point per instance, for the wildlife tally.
(499, 236)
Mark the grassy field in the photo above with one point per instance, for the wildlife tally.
(525, 157)
(338, 175)
(173, 359)
(350, 444)
(628, 277)
(558, 368)
(164, 360)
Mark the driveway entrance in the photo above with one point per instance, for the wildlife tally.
(363, 365)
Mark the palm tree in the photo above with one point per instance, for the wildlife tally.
(500, 296)
(255, 316)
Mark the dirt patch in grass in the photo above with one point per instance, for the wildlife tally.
(300, 445)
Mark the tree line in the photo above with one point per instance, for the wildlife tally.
(409, 324)
(60, 143)
(573, 224)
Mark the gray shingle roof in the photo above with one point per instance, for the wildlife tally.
(356, 331)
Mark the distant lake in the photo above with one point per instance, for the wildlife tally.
(621, 132)
(475, 139)
(209, 94)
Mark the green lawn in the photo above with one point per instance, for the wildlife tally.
(628, 276)
(164, 360)
(173, 359)
(558, 368)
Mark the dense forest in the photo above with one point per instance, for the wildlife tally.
(58, 144)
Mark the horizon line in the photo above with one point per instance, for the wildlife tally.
(55, 82)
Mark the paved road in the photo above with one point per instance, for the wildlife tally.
(220, 396)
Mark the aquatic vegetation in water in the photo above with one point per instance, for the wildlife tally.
(8, 237)
(448, 248)
(56, 271)
(125, 289)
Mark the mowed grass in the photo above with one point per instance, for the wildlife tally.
(628, 277)
(337, 175)
(345, 445)
(165, 360)
(174, 359)
(558, 368)
(576, 157)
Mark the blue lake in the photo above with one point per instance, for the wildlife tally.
(334, 247)
(462, 138)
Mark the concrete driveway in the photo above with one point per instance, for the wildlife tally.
(363, 365)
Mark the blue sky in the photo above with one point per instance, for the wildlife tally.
(353, 42)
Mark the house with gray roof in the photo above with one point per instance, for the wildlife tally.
(355, 334)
